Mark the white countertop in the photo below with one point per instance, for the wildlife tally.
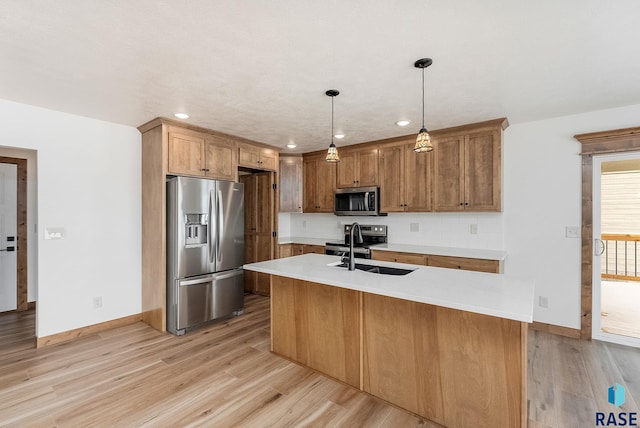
(469, 253)
(483, 293)
(306, 241)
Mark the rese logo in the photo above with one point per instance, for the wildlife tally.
(615, 396)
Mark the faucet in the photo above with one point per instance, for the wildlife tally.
(352, 257)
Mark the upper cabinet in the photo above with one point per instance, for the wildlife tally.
(358, 167)
(405, 178)
(257, 157)
(195, 153)
(290, 184)
(468, 170)
(319, 184)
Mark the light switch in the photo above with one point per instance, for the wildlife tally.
(54, 233)
(572, 232)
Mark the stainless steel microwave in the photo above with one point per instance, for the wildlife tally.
(357, 201)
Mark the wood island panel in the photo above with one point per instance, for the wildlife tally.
(400, 355)
(317, 325)
(453, 367)
(483, 368)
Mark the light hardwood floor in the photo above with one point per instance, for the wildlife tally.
(225, 376)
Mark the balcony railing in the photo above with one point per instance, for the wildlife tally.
(620, 257)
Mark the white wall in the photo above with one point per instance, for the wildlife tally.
(88, 184)
(32, 215)
(542, 183)
(542, 195)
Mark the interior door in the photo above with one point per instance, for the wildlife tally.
(8, 236)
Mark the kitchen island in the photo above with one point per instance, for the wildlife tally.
(448, 345)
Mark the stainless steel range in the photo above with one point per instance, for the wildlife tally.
(371, 235)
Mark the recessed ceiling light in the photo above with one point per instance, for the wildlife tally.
(181, 115)
(339, 136)
(403, 122)
(291, 146)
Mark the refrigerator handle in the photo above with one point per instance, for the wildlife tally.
(210, 229)
(220, 227)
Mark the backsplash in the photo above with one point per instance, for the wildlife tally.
(463, 230)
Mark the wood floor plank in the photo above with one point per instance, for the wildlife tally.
(224, 375)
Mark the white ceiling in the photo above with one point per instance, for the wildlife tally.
(259, 69)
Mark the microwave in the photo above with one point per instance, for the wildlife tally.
(357, 201)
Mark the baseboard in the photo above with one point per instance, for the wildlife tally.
(67, 336)
(555, 329)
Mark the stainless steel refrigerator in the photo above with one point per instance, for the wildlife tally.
(205, 251)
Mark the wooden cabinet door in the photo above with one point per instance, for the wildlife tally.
(418, 170)
(448, 178)
(310, 185)
(297, 249)
(285, 250)
(326, 186)
(264, 203)
(248, 156)
(218, 155)
(250, 203)
(392, 256)
(483, 171)
(478, 265)
(186, 154)
(312, 249)
(269, 159)
(346, 170)
(367, 167)
(290, 184)
(392, 178)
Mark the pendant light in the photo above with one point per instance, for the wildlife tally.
(332, 153)
(423, 141)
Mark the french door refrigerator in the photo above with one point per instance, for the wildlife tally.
(205, 251)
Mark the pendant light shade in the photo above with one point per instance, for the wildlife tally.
(423, 141)
(332, 153)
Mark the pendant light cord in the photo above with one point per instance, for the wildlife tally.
(423, 98)
(332, 119)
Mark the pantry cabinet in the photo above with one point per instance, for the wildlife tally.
(358, 168)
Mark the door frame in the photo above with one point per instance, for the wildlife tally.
(596, 329)
(22, 303)
(596, 143)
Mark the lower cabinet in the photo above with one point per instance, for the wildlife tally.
(478, 265)
(288, 250)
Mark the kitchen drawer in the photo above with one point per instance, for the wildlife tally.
(392, 256)
(479, 265)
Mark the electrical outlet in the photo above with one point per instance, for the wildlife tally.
(473, 229)
(97, 302)
(543, 301)
(304, 224)
(414, 227)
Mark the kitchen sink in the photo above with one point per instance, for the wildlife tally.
(384, 270)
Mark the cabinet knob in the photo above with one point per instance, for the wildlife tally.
(461, 203)
(466, 203)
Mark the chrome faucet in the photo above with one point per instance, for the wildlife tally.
(352, 257)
